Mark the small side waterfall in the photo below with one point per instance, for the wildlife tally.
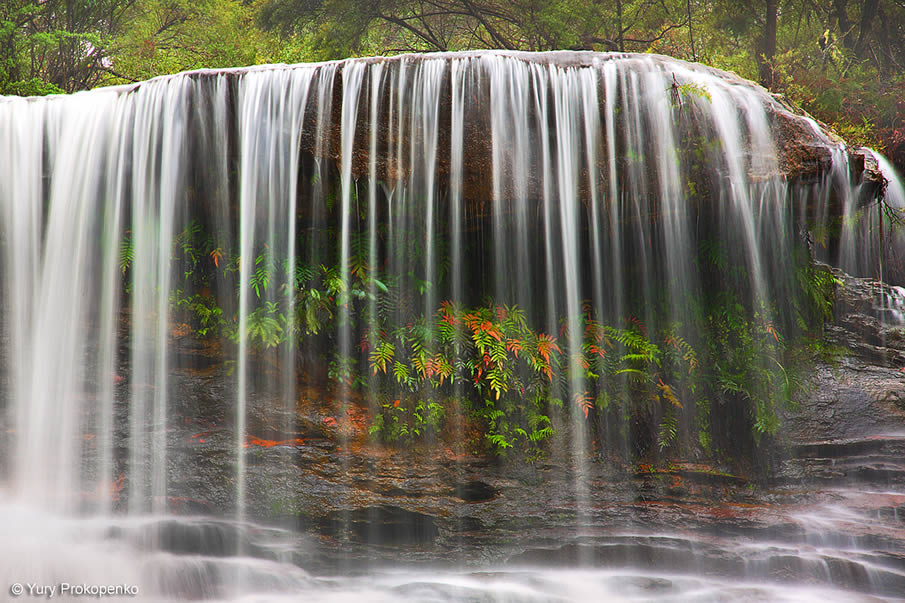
(563, 253)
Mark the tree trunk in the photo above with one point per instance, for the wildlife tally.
(768, 46)
(868, 12)
(694, 55)
(845, 26)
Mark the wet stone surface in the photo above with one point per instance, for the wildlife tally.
(831, 512)
(320, 495)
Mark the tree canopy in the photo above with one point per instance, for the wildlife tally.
(842, 60)
(56, 45)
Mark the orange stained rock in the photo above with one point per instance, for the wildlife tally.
(253, 441)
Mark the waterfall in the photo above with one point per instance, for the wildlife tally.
(370, 229)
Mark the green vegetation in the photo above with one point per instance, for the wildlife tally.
(503, 368)
(53, 46)
(488, 367)
(842, 61)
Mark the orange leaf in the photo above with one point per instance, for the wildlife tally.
(217, 255)
(513, 345)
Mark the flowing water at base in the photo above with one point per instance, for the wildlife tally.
(122, 560)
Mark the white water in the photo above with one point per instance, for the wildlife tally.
(587, 179)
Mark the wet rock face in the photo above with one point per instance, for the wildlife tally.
(320, 468)
(351, 502)
(805, 153)
(386, 524)
(476, 491)
(861, 392)
(207, 538)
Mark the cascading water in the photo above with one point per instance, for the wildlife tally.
(532, 245)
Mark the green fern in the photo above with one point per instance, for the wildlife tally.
(382, 354)
(264, 327)
(668, 432)
(126, 252)
(261, 277)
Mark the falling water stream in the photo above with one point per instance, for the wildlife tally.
(564, 185)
